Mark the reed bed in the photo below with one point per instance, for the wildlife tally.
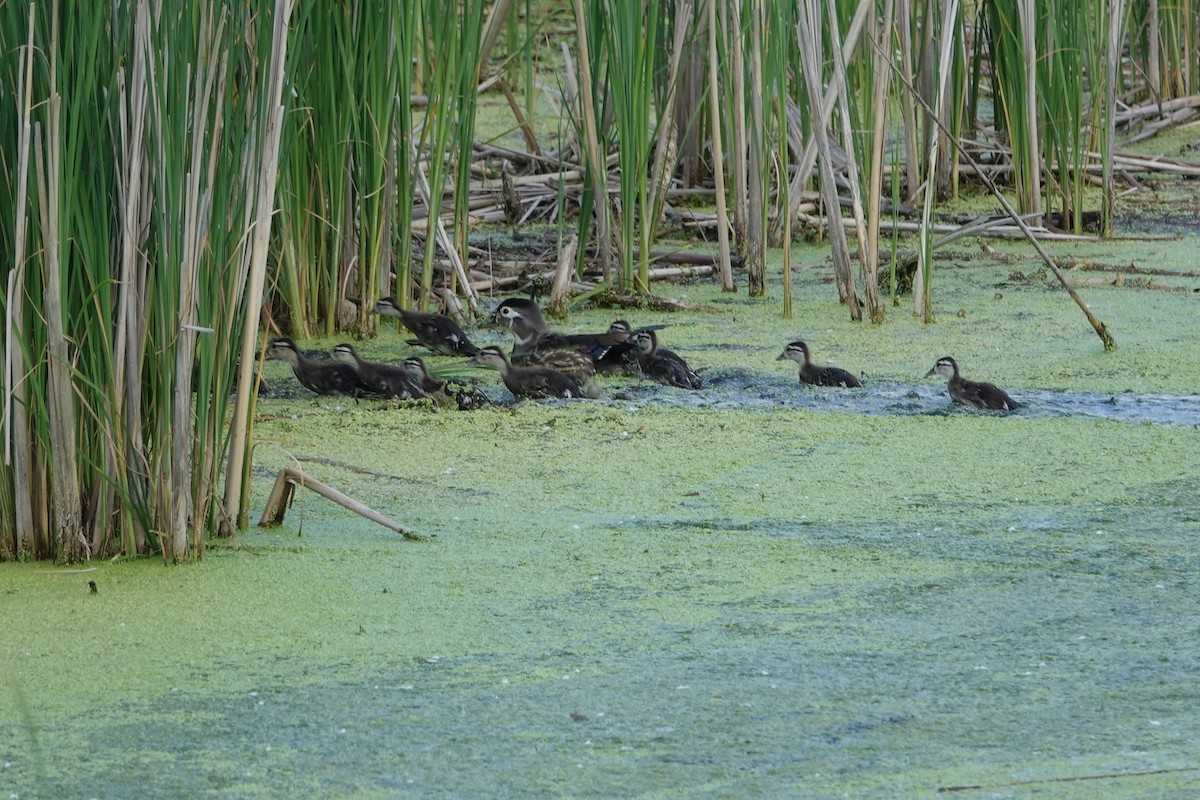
(141, 136)
(145, 245)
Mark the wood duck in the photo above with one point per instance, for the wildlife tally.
(535, 345)
(464, 397)
(386, 379)
(971, 393)
(661, 364)
(435, 331)
(515, 307)
(813, 373)
(322, 377)
(529, 381)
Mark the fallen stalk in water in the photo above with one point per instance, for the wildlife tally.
(284, 490)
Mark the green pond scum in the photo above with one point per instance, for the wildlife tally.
(653, 596)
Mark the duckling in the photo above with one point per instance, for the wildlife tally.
(614, 352)
(535, 344)
(618, 354)
(436, 331)
(971, 393)
(814, 374)
(466, 398)
(618, 333)
(529, 381)
(415, 368)
(387, 380)
(661, 364)
(322, 377)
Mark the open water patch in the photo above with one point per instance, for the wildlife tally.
(742, 389)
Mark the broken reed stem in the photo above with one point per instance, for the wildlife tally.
(560, 290)
(285, 487)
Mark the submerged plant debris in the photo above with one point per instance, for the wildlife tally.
(755, 589)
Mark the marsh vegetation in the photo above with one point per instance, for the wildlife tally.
(752, 588)
(182, 178)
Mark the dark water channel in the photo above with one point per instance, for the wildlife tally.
(739, 389)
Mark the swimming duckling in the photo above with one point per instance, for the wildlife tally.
(814, 374)
(466, 398)
(436, 331)
(322, 377)
(386, 379)
(529, 381)
(661, 364)
(972, 393)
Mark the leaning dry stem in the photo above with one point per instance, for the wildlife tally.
(870, 288)
(808, 158)
(810, 58)
(1101, 329)
(285, 486)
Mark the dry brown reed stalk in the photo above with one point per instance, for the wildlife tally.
(560, 287)
(236, 474)
(596, 163)
(879, 101)
(756, 165)
(726, 272)
(810, 58)
(17, 451)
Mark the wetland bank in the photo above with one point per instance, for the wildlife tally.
(739, 592)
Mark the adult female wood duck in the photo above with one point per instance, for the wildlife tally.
(972, 393)
(386, 379)
(322, 377)
(814, 373)
(535, 344)
(529, 381)
(661, 364)
(436, 331)
(518, 307)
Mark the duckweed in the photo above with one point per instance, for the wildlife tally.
(640, 597)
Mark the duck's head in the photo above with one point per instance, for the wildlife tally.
(387, 306)
(345, 353)
(284, 349)
(945, 366)
(517, 311)
(796, 351)
(414, 367)
(620, 328)
(644, 341)
(490, 357)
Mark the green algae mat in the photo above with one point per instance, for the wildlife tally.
(756, 590)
